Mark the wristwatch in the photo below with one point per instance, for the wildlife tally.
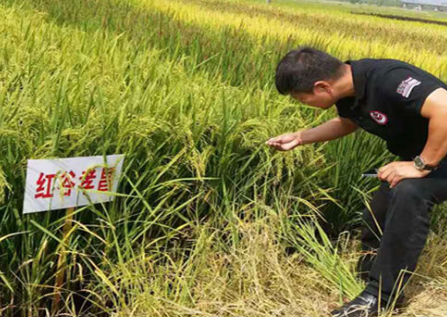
(420, 165)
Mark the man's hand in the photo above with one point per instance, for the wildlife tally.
(394, 172)
(285, 142)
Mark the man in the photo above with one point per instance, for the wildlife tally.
(407, 107)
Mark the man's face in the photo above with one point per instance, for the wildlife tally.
(321, 97)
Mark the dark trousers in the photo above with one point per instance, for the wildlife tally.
(395, 230)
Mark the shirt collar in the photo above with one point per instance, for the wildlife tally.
(359, 79)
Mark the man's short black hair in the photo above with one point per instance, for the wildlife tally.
(301, 68)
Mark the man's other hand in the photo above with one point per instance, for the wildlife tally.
(394, 172)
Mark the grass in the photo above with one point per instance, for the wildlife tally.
(212, 222)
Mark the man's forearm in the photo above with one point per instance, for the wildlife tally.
(436, 147)
(330, 130)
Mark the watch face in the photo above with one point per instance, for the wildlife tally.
(418, 162)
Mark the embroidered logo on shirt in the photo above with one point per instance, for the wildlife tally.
(406, 86)
(379, 117)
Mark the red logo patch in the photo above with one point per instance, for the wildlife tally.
(379, 117)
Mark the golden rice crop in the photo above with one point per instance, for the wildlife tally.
(184, 88)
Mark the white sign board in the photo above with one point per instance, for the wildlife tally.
(71, 182)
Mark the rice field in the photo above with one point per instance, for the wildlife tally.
(211, 222)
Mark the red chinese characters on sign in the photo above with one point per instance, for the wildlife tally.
(44, 186)
(45, 182)
(67, 183)
(106, 179)
(87, 179)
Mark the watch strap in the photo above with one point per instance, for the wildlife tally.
(430, 167)
(424, 166)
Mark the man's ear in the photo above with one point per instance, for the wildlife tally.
(322, 86)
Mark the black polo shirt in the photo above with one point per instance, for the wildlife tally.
(388, 98)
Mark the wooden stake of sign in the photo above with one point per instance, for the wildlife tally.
(60, 271)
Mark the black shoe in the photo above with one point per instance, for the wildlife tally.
(396, 304)
(364, 305)
(363, 276)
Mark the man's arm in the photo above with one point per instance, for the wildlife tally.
(416, 95)
(330, 130)
(435, 109)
